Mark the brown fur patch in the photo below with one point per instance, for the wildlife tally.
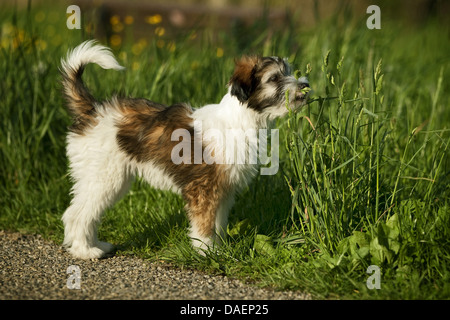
(244, 68)
(80, 102)
(241, 81)
(145, 135)
(204, 195)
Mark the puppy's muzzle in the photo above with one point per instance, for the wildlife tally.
(302, 91)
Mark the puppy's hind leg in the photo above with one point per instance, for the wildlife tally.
(98, 185)
(83, 216)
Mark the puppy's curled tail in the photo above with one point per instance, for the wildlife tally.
(80, 102)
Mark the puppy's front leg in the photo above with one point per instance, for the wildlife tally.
(202, 217)
(203, 202)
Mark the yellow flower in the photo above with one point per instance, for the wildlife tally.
(129, 20)
(135, 66)
(143, 42)
(160, 31)
(155, 19)
(115, 40)
(219, 52)
(139, 46)
(115, 19)
(19, 38)
(117, 27)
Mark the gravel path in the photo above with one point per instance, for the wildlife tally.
(32, 268)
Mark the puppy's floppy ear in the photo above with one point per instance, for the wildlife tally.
(242, 80)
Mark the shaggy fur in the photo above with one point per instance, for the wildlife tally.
(112, 142)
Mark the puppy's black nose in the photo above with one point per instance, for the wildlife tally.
(303, 85)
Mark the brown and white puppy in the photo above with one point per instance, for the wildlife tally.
(111, 142)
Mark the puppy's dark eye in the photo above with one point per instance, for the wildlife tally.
(274, 78)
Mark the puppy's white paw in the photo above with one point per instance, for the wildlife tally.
(86, 253)
(206, 245)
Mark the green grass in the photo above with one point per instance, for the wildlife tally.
(365, 183)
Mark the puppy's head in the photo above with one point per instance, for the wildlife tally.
(262, 83)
